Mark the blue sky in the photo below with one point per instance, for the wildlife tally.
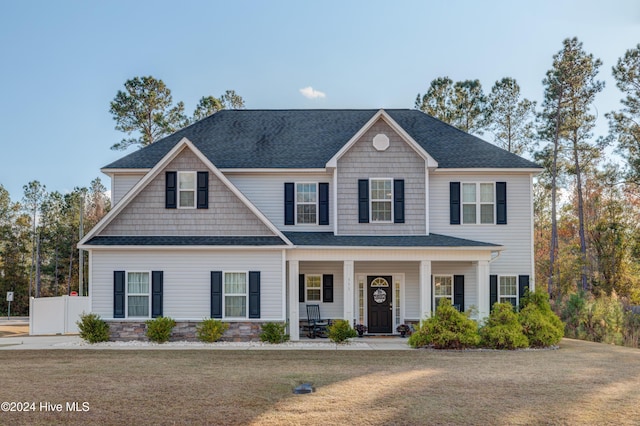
(62, 62)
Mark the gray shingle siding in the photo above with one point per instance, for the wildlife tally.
(309, 138)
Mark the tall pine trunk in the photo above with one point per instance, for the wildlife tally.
(583, 241)
(554, 222)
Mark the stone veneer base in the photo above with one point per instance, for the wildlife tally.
(183, 331)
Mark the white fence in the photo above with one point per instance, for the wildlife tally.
(56, 315)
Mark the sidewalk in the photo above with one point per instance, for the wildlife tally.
(74, 342)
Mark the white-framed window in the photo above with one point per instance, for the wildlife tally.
(138, 294)
(235, 294)
(186, 190)
(508, 289)
(478, 203)
(442, 289)
(313, 288)
(306, 203)
(381, 199)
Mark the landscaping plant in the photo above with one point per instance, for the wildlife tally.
(159, 329)
(539, 323)
(92, 328)
(446, 329)
(211, 330)
(274, 332)
(340, 331)
(502, 329)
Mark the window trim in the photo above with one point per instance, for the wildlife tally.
(377, 200)
(306, 287)
(478, 203)
(224, 294)
(515, 296)
(194, 191)
(126, 293)
(296, 203)
(435, 298)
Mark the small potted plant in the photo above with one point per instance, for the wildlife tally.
(361, 329)
(404, 329)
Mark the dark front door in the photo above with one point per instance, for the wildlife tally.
(379, 301)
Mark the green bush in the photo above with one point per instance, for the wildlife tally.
(274, 332)
(574, 314)
(211, 330)
(159, 329)
(340, 331)
(446, 329)
(502, 329)
(92, 328)
(539, 323)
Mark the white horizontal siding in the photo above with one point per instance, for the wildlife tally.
(266, 192)
(332, 310)
(515, 236)
(121, 183)
(186, 285)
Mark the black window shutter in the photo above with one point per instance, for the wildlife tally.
(254, 294)
(398, 201)
(216, 294)
(301, 294)
(501, 203)
(118, 294)
(458, 291)
(203, 190)
(363, 201)
(171, 192)
(493, 290)
(454, 203)
(323, 203)
(432, 290)
(289, 203)
(327, 288)
(523, 286)
(156, 293)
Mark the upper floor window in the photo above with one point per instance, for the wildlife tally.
(306, 203)
(187, 189)
(381, 200)
(478, 203)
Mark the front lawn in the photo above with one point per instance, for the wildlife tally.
(582, 383)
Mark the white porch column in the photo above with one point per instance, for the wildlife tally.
(294, 307)
(482, 272)
(425, 289)
(349, 292)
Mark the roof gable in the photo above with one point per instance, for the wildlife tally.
(174, 155)
(303, 139)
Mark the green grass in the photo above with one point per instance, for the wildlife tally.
(582, 383)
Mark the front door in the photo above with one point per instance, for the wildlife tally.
(379, 301)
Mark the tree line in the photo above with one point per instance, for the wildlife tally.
(586, 206)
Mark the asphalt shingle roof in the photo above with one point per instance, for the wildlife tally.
(184, 241)
(310, 138)
(330, 240)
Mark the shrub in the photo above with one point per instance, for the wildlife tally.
(274, 332)
(340, 331)
(211, 330)
(573, 315)
(447, 329)
(92, 328)
(159, 329)
(503, 330)
(539, 323)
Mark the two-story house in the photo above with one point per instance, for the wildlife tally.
(249, 215)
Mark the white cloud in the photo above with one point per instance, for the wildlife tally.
(311, 93)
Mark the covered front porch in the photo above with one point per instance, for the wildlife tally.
(385, 286)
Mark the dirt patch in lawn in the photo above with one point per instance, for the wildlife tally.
(14, 330)
(582, 383)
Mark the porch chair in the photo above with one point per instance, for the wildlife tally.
(317, 327)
